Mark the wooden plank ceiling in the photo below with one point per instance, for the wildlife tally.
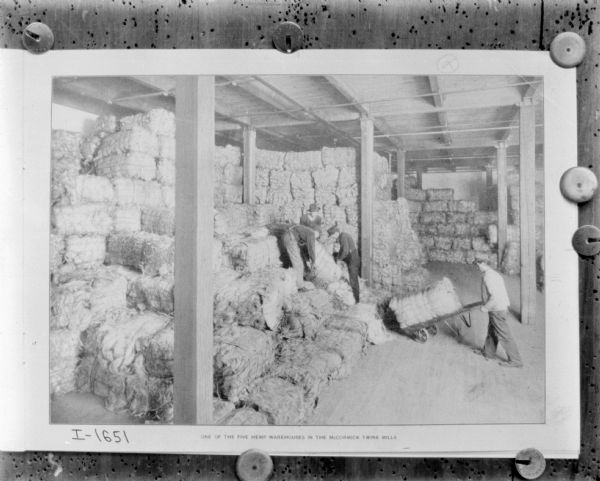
(444, 121)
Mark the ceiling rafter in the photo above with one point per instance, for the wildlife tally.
(514, 120)
(346, 91)
(438, 101)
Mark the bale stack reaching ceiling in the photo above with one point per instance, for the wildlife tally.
(451, 230)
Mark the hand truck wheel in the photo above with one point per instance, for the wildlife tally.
(421, 335)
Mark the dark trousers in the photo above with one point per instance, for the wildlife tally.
(499, 332)
(353, 263)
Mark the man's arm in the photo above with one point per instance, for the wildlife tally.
(344, 246)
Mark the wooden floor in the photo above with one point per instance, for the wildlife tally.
(443, 381)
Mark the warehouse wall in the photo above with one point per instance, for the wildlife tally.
(73, 120)
(466, 185)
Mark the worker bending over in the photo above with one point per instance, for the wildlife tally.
(299, 242)
(347, 252)
(496, 303)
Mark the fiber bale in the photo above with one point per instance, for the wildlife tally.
(352, 215)
(443, 242)
(281, 401)
(340, 157)
(149, 253)
(456, 217)
(433, 217)
(412, 281)
(427, 240)
(307, 310)
(81, 219)
(269, 159)
(348, 344)
(135, 139)
(228, 194)
(347, 196)
(166, 147)
(324, 198)
(342, 293)
(250, 254)
(303, 161)
(302, 188)
(165, 171)
(233, 174)
(462, 229)
(347, 177)
(461, 243)
(262, 177)
(152, 293)
(333, 214)
(89, 148)
(485, 217)
(221, 409)
(241, 355)
(480, 244)
(443, 299)
(160, 392)
(279, 181)
(435, 206)
(440, 194)
(416, 195)
(446, 229)
(134, 165)
(84, 297)
(64, 356)
(464, 206)
(127, 219)
(167, 196)
(511, 259)
(158, 353)
(456, 256)
(65, 144)
(306, 364)
(245, 417)
(156, 121)
(85, 250)
(326, 178)
(65, 171)
(368, 315)
(229, 155)
(159, 221)
(91, 189)
(437, 255)
(414, 206)
(57, 251)
(469, 256)
(140, 193)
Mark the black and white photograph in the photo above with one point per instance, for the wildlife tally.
(298, 250)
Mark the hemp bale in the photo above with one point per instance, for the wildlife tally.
(480, 244)
(262, 177)
(158, 221)
(158, 353)
(446, 229)
(511, 259)
(166, 148)
(323, 198)
(269, 159)
(85, 250)
(456, 217)
(64, 356)
(437, 255)
(250, 254)
(340, 157)
(233, 174)
(127, 219)
(428, 240)
(303, 161)
(156, 121)
(228, 155)
(281, 401)
(333, 214)
(461, 243)
(347, 177)
(414, 206)
(433, 217)
(65, 144)
(443, 242)
(462, 229)
(221, 410)
(347, 195)
(245, 417)
(302, 188)
(435, 206)
(82, 219)
(152, 293)
(57, 251)
(416, 195)
(352, 214)
(149, 253)
(165, 171)
(464, 206)
(91, 189)
(440, 194)
(485, 217)
(136, 139)
(429, 229)
(326, 178)
(241, 356)
(138, 192)
(513, 233)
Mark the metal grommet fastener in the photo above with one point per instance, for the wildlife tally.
(567, 49)
(530, 463)
(38, 38)
(578, 184)
(586, 240)
(254, 465)
(288, 37)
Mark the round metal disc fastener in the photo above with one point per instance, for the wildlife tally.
(38, 38)
(530, 463)
(288, 37)
(586, 240)
(578, 184)
(254, 465)
(567, 50)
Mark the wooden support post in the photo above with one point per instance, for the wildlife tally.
(419, 177)
(502, 198)
(195, 143)
(527, 209)
(249, 159)
(401, 169)
(489, 178)
(366, 197)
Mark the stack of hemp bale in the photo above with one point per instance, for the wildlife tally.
(451, 230)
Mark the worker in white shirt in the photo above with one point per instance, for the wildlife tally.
(496, 303)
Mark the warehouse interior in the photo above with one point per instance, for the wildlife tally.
(426, 173)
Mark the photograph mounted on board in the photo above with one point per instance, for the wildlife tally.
(368, 250)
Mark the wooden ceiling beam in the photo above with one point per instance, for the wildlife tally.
(438, 101)
(62, 95)
(514, 121)
(381, 125)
